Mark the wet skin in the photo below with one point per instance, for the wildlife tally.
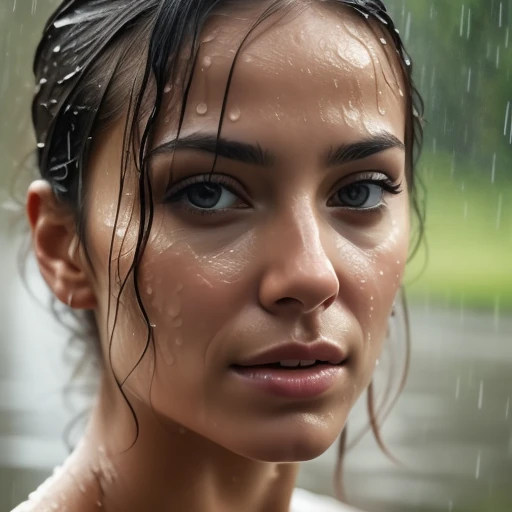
(295, 239)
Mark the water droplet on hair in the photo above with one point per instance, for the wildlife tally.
(40, 145)
(53, 101)
(43, 81)
(207, 62)
(56, 49)
(153, 326)
(383, 41)
(235, 115)
(167, 88)
(202, 108)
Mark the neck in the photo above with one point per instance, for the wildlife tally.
(170, 468)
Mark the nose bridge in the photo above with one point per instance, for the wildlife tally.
(300, 270)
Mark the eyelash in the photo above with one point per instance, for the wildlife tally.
(175, 194)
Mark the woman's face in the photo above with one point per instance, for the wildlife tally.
(294, 250)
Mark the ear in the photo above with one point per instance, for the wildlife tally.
(55, 243)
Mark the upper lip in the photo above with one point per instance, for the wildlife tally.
(315, 351)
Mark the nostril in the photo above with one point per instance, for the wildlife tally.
(287, 301)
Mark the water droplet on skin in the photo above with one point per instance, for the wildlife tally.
(81, 488)
(149, 290)
(153, 326)
(202, 108)
(383, 41)
(178, 341)
(371, 298)
(235, 115)
(401, 92)
(207, 62)
(167, 88)
(178, 322)
(381, 273)
(336, 83)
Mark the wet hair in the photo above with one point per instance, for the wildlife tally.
(101, 60)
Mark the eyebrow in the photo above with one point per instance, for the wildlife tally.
(378, 143)
(254, 154)
(245, 153)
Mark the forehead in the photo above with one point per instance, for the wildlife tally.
(317, 65)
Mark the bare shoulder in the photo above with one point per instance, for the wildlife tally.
(60, 492)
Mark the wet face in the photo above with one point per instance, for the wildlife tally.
(292, 250)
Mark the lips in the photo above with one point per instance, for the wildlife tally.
(297, 355)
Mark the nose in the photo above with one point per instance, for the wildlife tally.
(299, 276)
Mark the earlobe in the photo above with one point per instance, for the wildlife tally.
(55, 244)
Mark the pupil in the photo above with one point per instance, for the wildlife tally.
(204, 195)
(355, 195)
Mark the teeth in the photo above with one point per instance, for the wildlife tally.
(290, 364)
(307, 363)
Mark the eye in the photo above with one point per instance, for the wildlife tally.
(360, 195)
(204, 194)
(364, 195)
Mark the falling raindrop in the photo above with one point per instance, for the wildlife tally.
(493, 172)
(478, 461)
(481, 395)
(507, 408)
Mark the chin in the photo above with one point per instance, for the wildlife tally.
(296, 440)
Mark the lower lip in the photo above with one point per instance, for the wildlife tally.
(300, 383)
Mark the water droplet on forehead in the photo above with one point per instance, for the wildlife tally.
(202, 109)
(235, 115)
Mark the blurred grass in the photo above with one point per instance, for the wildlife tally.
(469, 238)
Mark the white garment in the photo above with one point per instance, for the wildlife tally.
(305, 501)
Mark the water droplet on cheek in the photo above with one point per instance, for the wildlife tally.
(202, 109)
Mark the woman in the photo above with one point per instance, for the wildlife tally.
(225, 193)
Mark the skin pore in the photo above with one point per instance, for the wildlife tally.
(314, 107)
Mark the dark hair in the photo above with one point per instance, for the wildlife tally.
(100, 60)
